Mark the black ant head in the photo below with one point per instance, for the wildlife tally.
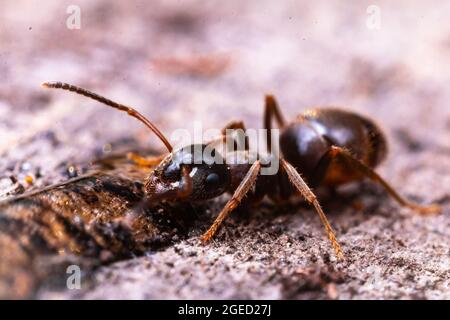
(194, 172)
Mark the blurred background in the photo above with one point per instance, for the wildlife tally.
(181, 61)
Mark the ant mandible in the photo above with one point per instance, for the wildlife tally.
(321, 146)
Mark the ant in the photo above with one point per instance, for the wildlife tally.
(321, 147)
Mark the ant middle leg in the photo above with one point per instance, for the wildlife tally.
(271, 110)
(361, 169)
(306, 192)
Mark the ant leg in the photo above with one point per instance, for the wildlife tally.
(306, 192)
(145, 162)
(360, 167)
(234, 125)
(271, 110)
(245, 185)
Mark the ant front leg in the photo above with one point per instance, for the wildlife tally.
(239, 127)
(233, 125)
(246, 184)
(145, 162)
(231, 145)
(340, 154)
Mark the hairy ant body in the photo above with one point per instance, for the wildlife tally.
(322, 146)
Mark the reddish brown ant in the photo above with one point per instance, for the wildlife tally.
(322, 146)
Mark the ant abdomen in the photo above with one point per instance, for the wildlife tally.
(309, 138)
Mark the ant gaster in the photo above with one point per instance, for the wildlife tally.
(321, 146)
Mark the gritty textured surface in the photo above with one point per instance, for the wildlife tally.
(214, 61)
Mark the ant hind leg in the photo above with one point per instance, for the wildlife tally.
(359, 167)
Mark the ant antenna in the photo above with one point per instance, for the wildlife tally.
(132, 112)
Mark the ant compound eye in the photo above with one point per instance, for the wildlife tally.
(212, 180)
